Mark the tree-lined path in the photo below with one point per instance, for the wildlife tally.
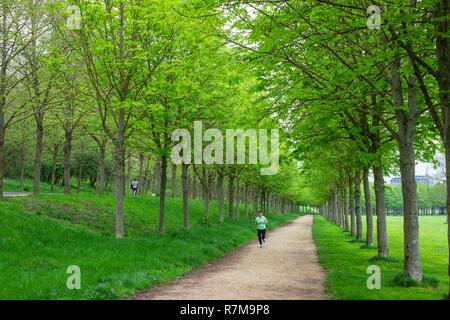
(286, 268)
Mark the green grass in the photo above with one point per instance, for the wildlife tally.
(41, 236)
(346, 261)
(12, 185)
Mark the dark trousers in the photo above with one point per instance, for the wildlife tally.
(261, 235)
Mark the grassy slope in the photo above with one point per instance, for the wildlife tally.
(41, 236)
(12, 185)
(346, 262)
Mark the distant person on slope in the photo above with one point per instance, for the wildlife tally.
(134, 186)
(261, 222)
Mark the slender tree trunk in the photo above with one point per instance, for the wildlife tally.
(231, 197)
(22, 167)
(157, 176)
(351, 206)
(246, 201)
(346, 210)
(2, 148)
(141, 174)
(174, 181)
(67, 153)
(126, 186)
(238, 213)
(359, 231)
(255, 201)
(162, 193)
(185, 186)
(207, 181)
(382, 241)
(120, 175)
(220, 195)
(147, 179)
(101, 170)
(368, 203)
(38, 153)
(194, 187)
(3, 84)
(53, 175)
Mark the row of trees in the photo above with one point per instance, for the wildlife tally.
(357, 101)
(94, 89)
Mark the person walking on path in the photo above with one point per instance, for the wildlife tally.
(261, 222)
(134, 186)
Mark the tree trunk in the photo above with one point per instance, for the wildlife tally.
(220, 195)
(194, 187)
(185, 186)
(359, 231)
(53, 175)
(67, 154)
(38, 153)
(406, 121)
(382, 241)
(141, 174)
(146, 177)
(238, 213)
(246, 200)
(174, 181)
(412, 262)
(255, 202)
(2, 150)
(368, 203)
(346, 210)
(127, 189)
(162, 193)
(207, 179)
(351, 206)
(443, 57)
(120, 175)
(100, 187)
(22, 168)
(157, 176)
(231, 197)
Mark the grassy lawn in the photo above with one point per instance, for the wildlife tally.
(41, 236)
(12, 185)
(346, 262)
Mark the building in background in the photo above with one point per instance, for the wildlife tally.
(427, 180)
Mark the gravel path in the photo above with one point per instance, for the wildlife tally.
(285, 268)
(16, 194)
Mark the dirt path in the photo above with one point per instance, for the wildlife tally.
(286, 268)
(16, 194)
